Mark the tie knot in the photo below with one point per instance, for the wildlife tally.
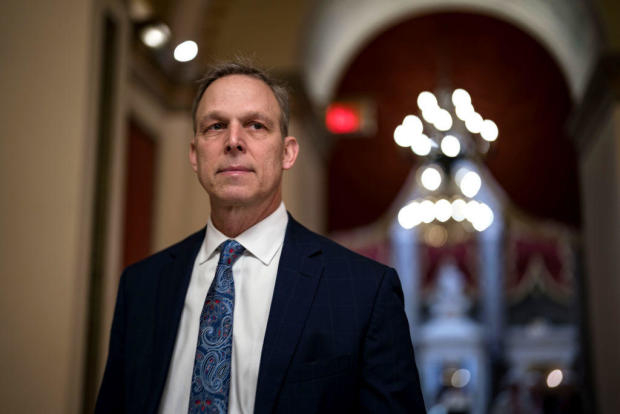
(231, 250)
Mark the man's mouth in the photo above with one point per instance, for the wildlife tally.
(234, 169)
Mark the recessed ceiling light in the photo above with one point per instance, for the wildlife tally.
(186, 51)
(155, 35)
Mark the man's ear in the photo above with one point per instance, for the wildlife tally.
(193, 155)
(289, 155)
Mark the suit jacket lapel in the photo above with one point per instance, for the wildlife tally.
(172, 288)
(298, 276)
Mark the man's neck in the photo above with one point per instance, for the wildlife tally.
(234, 220)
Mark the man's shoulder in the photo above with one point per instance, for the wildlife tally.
(160, 258)
(335, 253)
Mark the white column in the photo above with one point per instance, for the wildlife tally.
(405, 251)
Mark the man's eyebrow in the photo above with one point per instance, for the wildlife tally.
(211, 115)
(255, 115)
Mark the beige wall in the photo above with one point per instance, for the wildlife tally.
(181, 206)
(600, 177)
(45, 173)
(269, 31)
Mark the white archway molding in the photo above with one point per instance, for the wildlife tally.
(339, 29)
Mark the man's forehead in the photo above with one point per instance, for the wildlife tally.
(240, 90)
(239, 83)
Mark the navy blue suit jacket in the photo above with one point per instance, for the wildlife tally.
(337, 338)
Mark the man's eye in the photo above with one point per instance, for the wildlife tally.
(215, 127)
(257, 125)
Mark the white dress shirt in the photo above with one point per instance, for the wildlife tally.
(254, 274)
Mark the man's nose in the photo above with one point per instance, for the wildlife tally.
(235, 141)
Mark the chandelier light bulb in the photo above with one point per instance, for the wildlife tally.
(464, 112)
(413, 124)
(450, 146)
(458, 209)
(460, 173)
(402, 137)
(479, 215)
(470, 184)
(431, 114)
(487, 215)
(408, 216)
(474, 123)
(431, 178)
(482, 217)
(460, 97)
(427, 213)
(443, 210)
(421, 145)
(460, 378)
(471, 210)
(554, 378)
(186, 51)
(426, 100)
(443, 120)
(489, 131)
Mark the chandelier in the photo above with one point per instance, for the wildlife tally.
(450, 137)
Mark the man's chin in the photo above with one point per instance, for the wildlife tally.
(234, 199)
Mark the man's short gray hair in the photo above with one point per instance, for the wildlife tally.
(242, 67)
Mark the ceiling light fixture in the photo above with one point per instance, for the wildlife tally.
(186, 51)
(155, 35)
(445, 141)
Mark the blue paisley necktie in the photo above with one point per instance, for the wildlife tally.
(211, 375)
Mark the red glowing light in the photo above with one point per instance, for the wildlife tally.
(342, 118)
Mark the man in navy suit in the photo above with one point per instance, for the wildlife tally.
(314, 328)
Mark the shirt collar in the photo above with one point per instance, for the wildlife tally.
(262, 240)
